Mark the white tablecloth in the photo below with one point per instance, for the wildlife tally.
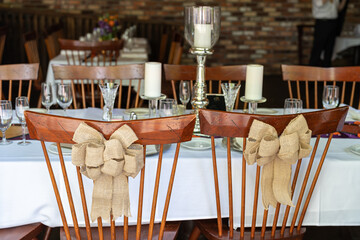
(343, 43)
(26, 193)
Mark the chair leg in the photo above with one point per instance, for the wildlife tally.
(47, 233)
(195, 234)
(39, 102)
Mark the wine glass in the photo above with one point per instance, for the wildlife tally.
(64, 95)
(330, 97)
(230, 91)
(47, 96)
(184, 92)
(22, 104)
(5, 119)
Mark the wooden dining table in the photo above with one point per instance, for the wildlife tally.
(26, 194)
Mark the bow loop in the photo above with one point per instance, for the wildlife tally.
(276, 154)
(108, 163)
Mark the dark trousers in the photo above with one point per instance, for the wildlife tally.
(324, 40)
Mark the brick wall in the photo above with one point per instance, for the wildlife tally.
(252, 31)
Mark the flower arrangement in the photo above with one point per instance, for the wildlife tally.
(109, 27)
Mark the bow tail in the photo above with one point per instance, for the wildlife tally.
(121, 200)
(281, 182)
(102, 197)
(267, 192)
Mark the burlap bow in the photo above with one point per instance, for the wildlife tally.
(108, 163)
(276, 154)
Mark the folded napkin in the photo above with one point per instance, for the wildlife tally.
(353, 114)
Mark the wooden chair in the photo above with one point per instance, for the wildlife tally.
(3, 31)
(214, 76)
(32, 53)
(85, 81)
(307, 83)
(50, 128)
(226, 124)
(51, 37)
(176, 49)
(91, 53)
(18, 76)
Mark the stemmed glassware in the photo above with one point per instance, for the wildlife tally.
(184, 92)
(22, 104)
(230, 91)
(64, 95)
(109, 91)
(330, 97)
(5, 119)
(47, 96)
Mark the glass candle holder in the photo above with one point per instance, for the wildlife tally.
(202, 26)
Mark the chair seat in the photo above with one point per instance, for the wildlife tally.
(26, 232)
(210, 230)
(171, 231)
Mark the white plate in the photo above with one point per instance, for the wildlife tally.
(264, 111)
(138, 111)
(355, 149)
(65, 148)
(197, 144)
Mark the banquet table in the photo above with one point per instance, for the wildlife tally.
(136, 55)
(344, 42)
(27, 195)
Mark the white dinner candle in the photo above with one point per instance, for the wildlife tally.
(202, 35)
(152, 85)
(254, 82)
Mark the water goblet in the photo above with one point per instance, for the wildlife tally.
(5, 119)
(184, 92)
(167, 107)
(109, 91)
(22, 104)
(330, 97)
(64, 95)
(47, 96)
(292, 106)
(230, 91)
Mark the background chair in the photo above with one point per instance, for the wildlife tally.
(32, 53)
(308, 83)
(85, 81)
(16, 80)
(51, 37)
(214, 76)
(151, 131)
(225, 124)
(91, 53)
(3, 31)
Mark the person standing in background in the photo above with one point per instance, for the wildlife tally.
(325, 13)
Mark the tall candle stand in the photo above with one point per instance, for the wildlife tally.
(252, 104)
(202, 29)
(153, 104)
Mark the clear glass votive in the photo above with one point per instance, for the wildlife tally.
(293, 106)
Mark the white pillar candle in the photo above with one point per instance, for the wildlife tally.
(254, 82)
(152, 77)
(202, 35)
